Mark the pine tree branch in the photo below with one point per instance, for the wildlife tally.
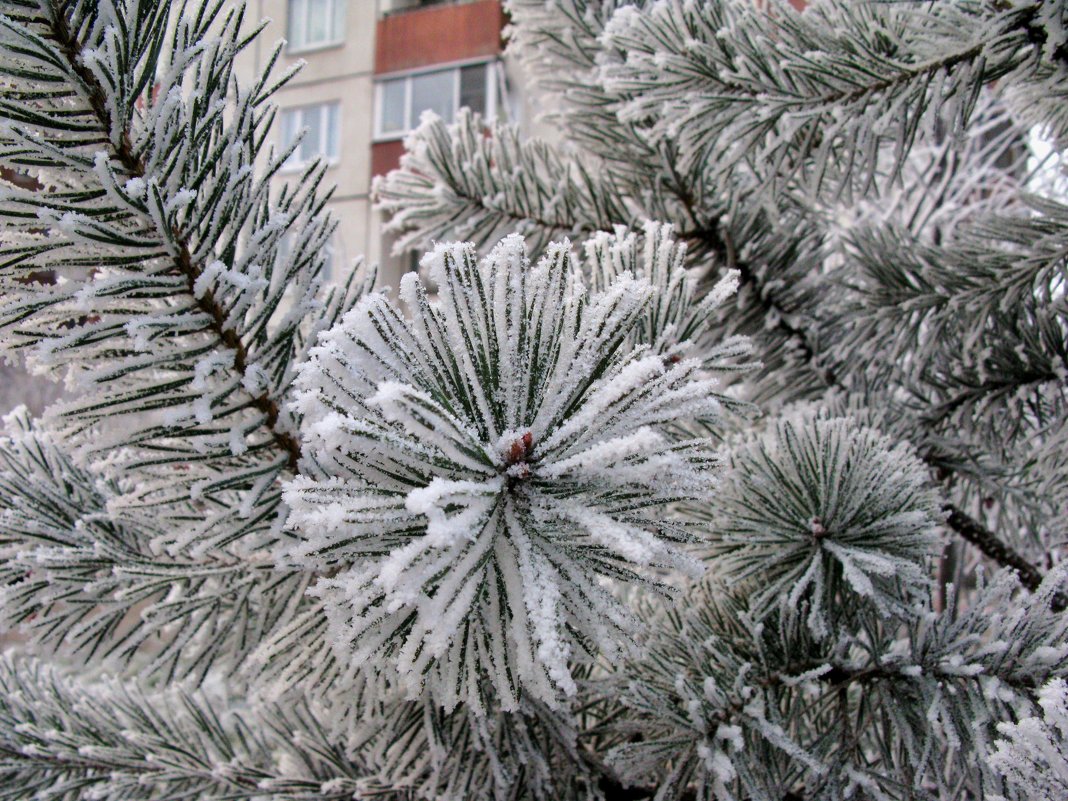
(947, 661)
(970, 529)
(477, 183)
(1024, 28)
(717, 239)
(166, 188)
(183, 263)
(720, 243)
(904, 76)
(836, 678)
(76, 579)
(64, 737)
(1036, 32)
(713, 237)
(986, 541)
(821, 109)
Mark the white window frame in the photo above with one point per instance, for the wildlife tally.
(294, 162)
(491, 90)
(335, 18)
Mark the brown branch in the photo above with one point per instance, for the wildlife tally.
(904, 76)
(986, 541)
(792, 332)
(719, 241)
(183, 263)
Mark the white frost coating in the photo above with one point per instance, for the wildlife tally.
(180, 199)
(608, 394)
(237, 442)
(135, 187)
(449, 438)
(606, 453)
(207, 277)
(215, 362)
(433, 499)
(869, 531)
(255, 380)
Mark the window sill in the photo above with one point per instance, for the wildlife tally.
(314, 48)
(396, 136)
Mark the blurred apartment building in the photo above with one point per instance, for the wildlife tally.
(371, 68)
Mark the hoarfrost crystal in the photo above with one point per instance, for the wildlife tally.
(1033, 756)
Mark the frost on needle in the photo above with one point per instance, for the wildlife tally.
(491, 466)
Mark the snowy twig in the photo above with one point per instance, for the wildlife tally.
(183, 262)
(986, 541)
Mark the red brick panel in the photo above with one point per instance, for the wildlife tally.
(385, 156)
(438, 34)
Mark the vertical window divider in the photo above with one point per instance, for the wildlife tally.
(491, 95)
(456, 91)
(379, 109)
(296, 119)
(408, 103)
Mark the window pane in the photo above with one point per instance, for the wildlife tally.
(290, 126)
(433, 92)
(330, 259)
(392, 108)
(338, 30)
(332, 130)
(473, 88)
(298, 31)
(312, 145)
(320, 16)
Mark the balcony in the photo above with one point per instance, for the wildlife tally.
(409, 38)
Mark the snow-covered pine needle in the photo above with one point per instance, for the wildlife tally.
(490, 466)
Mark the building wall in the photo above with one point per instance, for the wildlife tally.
(335, 73)
(410, 39)
(381, 37)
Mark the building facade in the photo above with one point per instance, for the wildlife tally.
(371, 68)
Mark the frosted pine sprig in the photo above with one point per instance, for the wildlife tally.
(830, 517)
(1033, 756)
(681, 320)
(488, 467)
